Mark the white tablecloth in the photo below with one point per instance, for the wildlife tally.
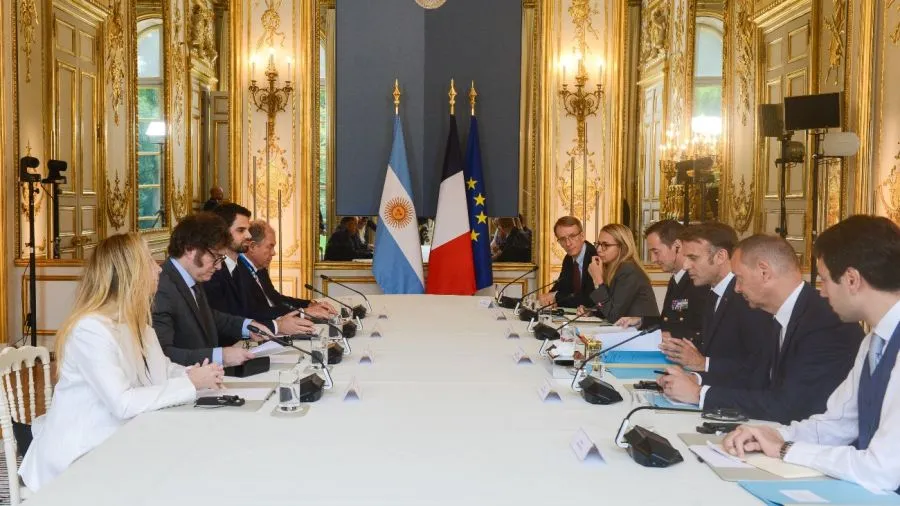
(446, 417)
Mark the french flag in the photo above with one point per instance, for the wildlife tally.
(451, 270)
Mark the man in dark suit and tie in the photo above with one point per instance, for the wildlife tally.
(574, 286)
(813, 349)
(264, 301)
(734, 350)
(227, 291)
(188, 330)
(682, 312)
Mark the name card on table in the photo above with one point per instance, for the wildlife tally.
(548, 392)
(584, 446)
(375, 332)
(486, 302)
(354, 392)
(383, 314)
(500, 315)
(511, 334)
(368, 357)
(520, 357)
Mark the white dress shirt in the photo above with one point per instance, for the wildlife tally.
(102, 384)
(783, 316)
(678, 275)
(231, 264)
(823, 441)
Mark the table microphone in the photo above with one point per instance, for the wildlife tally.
(646, 447)
(648, 330)
(311, 387)
(543, 331)
(358, 311)
(527, 314)
(518, 304)
(332, 280)
(511, 302)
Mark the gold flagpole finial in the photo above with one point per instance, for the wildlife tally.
(397, 96)
(452, 95)
(472, 95)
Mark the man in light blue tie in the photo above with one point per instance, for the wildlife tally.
(858, 437)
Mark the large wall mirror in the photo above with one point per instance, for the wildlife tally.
(151, 118)
(327, 223)
(678, 172)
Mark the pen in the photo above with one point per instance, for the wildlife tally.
(269, 396)
(659, 371)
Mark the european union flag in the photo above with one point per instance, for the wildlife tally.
(476, 202)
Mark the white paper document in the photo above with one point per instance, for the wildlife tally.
(268, 348)
(647, 342)
(804, 496)
(716, 457)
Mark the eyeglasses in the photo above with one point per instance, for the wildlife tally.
(568, 238)
(217, 259)
(605, 245)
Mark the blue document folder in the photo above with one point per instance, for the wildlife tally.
(782, 492)
(635, 357)
(633, 373)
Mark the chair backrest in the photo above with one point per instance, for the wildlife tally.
(12, 405)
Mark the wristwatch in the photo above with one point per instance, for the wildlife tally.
(785, 448)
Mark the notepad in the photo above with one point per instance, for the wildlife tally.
(784, 493)
(267, 348)
(716, 459)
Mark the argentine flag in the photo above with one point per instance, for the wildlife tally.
(397, 264)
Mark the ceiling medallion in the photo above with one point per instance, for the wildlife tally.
(430, 4)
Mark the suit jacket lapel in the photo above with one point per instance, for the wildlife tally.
(799, 309)
(188, 296)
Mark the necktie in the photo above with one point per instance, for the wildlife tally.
(776, 331)
(672, 284)
(576, 276)
(195, 289)
(259, 283)
(876, 349)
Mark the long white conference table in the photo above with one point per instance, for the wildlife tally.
(446, 416)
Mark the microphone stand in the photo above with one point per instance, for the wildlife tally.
(782, 190)
(518, 304)
(511, 302)
(332, 280)
(29, 178)
(648, 330)
(329, 383)
(624, 426)
(357, 312)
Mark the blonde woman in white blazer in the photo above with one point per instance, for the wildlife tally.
(111, 367)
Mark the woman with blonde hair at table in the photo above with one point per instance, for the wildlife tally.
(111, 367)
(622, 291)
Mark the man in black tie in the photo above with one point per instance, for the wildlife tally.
(813, 349)
(227, 291)
(682, 311)
(857, 437)
(264, 301)
(732, 351)
(574, 286)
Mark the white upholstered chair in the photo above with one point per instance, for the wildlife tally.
(12, 403)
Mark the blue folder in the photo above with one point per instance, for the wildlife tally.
(633, 373)
(635, 357)
(833, 491)
(661, 401)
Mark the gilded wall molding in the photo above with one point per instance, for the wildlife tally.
(28, 18)
(178, 55)
(271, 22)
(895, 33)
(745, 55)
(117, 200)
(836, 26)
(742, 206)
(889, 192)
(181, 201)
(202, 33)
(656, 27)
(115, 57)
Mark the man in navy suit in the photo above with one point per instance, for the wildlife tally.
(227, 290)
(813, 352)
(857, 437)
(574, 285)
(735, 347)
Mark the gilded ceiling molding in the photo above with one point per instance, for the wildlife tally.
(115, 57)
(270, 21)
(202, 33)
(28, 18)
(742, 206)
(117, 200)
(745, 55)
(836, 26)
(179, 70)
